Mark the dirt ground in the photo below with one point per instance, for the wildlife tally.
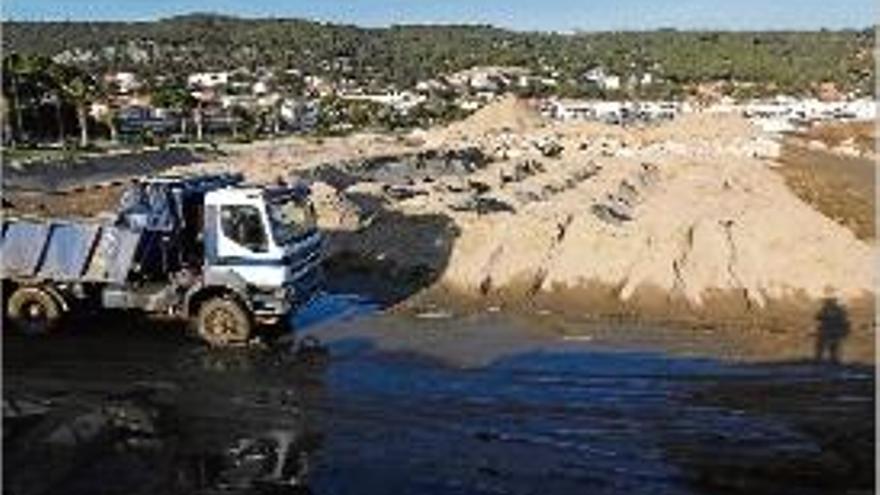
(438, 404)
(839, 187)
(85, 202)
(790, 330)
(843, 188)
(863, 135)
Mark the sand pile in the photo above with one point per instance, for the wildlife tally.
(701, 126)
(268, 161)
(335, 211)
(685, 216)
(731, 226)
(509, 113)
(840, 187)
(850, 138)
(682, 212)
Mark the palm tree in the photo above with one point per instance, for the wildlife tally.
(276, 100)
(178, 98)
(22, 74)
(108, 92)
(80, 89)
(14, 67)
(6, 131)
(199, 117)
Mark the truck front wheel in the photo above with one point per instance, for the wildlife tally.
(224, 322)
(33, 311)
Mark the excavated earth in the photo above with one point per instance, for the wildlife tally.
(514, 306)
(704, 220)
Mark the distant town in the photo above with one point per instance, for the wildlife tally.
(118, 92)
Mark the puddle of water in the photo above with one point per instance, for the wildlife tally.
(329, 308)
(554, 420)
(483, 404)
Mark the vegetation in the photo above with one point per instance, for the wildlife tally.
(401, 55)
(176, 97)
(31, 82)
(48, 83)
(79, 88)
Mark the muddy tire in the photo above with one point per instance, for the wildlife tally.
(33, 311)
(224, 322)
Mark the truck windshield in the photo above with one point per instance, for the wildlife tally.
(291, 218)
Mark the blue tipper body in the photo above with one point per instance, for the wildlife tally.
(62, 251)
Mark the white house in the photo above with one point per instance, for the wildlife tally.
(318, 85)
(98, 110)
(208, 79)
(611, 111)
(260, 88)
(430, 85)
(611, 82)
(601, 78)
(125, 82)
(299, 114)
(588, 109)
(401, 101)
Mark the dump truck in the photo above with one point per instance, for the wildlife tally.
(227, 256)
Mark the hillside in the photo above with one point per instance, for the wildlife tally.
(404, 54)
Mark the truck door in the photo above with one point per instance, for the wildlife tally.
(237, 239)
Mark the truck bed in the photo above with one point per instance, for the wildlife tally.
(66, 250)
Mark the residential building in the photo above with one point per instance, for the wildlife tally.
(208, 79)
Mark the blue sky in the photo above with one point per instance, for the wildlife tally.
(560, 15)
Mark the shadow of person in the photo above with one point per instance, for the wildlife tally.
(833, 326)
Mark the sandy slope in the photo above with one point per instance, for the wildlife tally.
(688, 209)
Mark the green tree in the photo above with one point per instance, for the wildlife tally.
(107, 92)
(240, 115)
(26, 78)
(179, 99)
(80, 89)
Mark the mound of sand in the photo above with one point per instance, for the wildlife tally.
(861, 135)
(719, 127)
(730, 227)
(507, 114)
(335, 211)
(678, 213)
(671, 216)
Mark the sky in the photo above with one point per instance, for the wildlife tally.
(543, 15)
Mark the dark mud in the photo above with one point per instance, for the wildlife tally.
(400, 170)
(82, 203)
(53, 176)
(433, 403)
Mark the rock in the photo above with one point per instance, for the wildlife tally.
(334, 209)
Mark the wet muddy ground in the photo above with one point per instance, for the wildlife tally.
(433, 403)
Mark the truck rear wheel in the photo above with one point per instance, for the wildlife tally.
(224, 322)
(33, 311)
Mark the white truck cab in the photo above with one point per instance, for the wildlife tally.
(265, 237)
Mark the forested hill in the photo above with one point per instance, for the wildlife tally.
(788, 61)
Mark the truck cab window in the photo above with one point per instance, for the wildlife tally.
(243, 224)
